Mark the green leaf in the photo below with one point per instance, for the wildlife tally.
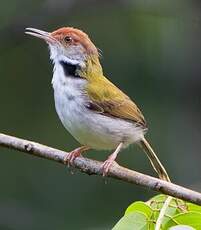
(140, 207)
(174, 208)
(157, 198)
(180, 214)
(181, 227)
(193, 207)
(133, 220)
(192, 219)
(157, 202)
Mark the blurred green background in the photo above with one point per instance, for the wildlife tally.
(152, 50)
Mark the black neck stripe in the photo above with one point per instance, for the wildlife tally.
(70, 70)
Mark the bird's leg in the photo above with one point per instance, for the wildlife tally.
(70, 157)
(107, 164)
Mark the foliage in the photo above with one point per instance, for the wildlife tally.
(180, 215)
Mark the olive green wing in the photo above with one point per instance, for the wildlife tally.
(107, 99)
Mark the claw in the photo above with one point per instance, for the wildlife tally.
(111, 159)
(106, 166)
(71, 156)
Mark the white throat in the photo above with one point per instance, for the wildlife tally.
(65, 75)
(58, 54)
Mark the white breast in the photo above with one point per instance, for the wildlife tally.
(88, 127)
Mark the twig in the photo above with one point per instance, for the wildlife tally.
(93, 167)
(162, 213)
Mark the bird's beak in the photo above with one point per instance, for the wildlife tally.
(46, 36)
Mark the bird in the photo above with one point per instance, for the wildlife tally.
(94, 111)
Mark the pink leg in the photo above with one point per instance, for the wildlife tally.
(108, 163)
(70, 157)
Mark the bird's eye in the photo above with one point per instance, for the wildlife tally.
(68, 39)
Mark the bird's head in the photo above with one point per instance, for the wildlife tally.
(68, 44)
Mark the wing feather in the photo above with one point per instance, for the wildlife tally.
(107, 99)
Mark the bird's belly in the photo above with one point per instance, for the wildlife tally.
(92, 129)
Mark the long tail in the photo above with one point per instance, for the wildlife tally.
(157, 165)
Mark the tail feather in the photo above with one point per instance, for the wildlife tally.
(157, 165)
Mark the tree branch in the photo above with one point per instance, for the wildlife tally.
(93, 167)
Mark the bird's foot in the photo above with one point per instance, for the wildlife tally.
(110, 160)
(71, 156)
(107, 165)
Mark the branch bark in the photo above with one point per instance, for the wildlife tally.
(94, 167)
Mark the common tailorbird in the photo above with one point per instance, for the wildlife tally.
(95, 111)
